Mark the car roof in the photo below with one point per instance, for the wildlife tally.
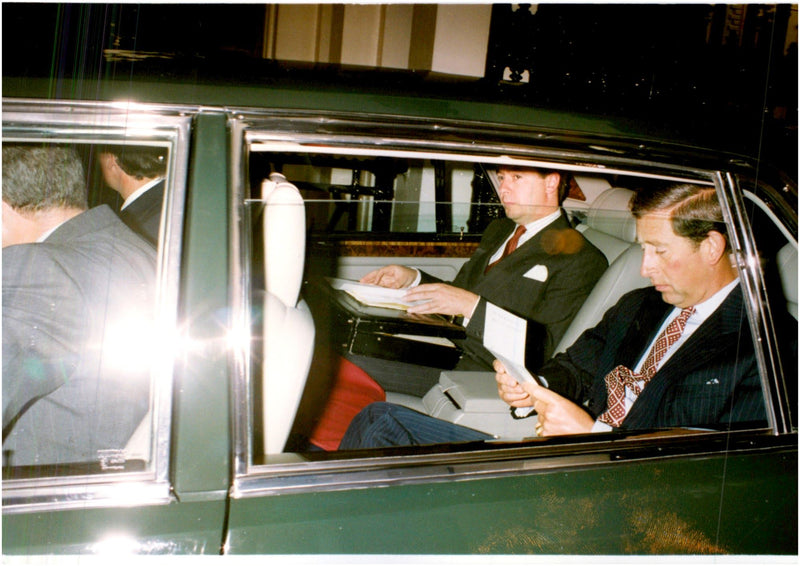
(239, 83)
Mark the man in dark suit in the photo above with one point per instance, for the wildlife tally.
(531, 263)
(137, 174)
(678, 354)
(78, 296)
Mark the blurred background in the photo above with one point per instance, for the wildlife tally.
(723, 75)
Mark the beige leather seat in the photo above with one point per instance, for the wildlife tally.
(609, 224)
(288, 325)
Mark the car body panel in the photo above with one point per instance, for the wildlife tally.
(185, 528)
(613, 508)
(696, 493)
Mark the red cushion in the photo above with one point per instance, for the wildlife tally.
(353, 389)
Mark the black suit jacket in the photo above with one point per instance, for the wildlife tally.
(710, 381)
(572, 265)
(143, 215)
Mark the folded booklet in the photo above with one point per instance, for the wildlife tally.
(504, 335)
(374, 295)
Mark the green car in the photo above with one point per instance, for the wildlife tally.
(275, 194)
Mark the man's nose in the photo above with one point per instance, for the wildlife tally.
(647, 266)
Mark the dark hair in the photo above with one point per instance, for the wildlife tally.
(564, 178)
(695, 210)
(37, 177)
(139, 161)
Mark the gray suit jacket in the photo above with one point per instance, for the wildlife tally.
(73, 306)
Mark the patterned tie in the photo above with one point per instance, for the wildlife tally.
(620, 376)
(511, 245)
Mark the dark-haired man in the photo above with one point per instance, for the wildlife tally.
(677, 354)
(78, 296)
(531, 263)
(137, 174)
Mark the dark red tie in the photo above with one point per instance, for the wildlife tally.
(511, 245)
(620, 376)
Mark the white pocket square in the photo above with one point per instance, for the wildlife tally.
(537, 273)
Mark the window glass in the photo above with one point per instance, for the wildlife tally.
(79, 304)
(347, 215)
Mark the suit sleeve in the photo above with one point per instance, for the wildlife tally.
(40, 350)
(576, 372)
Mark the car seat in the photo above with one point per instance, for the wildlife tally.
(288, 325)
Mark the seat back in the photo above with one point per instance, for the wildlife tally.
(609, 224)
(288, 325)
(787, 267)
(611, 227)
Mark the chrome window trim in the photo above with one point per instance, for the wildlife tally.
(276, 477)
(240, 358)
(754, 289)
(105, 123)
(537, 456)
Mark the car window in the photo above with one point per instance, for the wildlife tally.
(355, 210)
(87, 305)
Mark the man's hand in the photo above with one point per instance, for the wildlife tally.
(557, 415)
(509, 390)
(442, 298)
(391, 276)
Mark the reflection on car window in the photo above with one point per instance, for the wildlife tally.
(78, 312)
(365, 213)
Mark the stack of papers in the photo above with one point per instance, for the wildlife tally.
(374, 295)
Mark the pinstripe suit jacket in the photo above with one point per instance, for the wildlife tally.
(710, 381)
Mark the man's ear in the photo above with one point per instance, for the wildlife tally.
(714, 247)
(551, 182)
(109, 160)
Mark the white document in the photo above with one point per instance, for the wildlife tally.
(504, 336)
(374, 295)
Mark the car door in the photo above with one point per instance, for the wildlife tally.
(648, 492)
(128, 500)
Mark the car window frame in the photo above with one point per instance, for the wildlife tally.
(288, 472)
(108, 123)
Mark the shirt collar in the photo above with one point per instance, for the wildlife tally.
(46, 234)
(705, 309)
(533, 228)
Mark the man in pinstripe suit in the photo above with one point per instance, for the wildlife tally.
(708, 376)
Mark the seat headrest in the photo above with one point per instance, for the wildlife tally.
(284, 238)
(610, 214)
(591, 187)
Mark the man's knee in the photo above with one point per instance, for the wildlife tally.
(361, 423)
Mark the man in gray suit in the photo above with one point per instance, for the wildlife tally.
(78, 288)
(531, 263)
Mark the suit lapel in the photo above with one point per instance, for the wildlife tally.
(643, 328)
(703, 345)
(498, 275)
